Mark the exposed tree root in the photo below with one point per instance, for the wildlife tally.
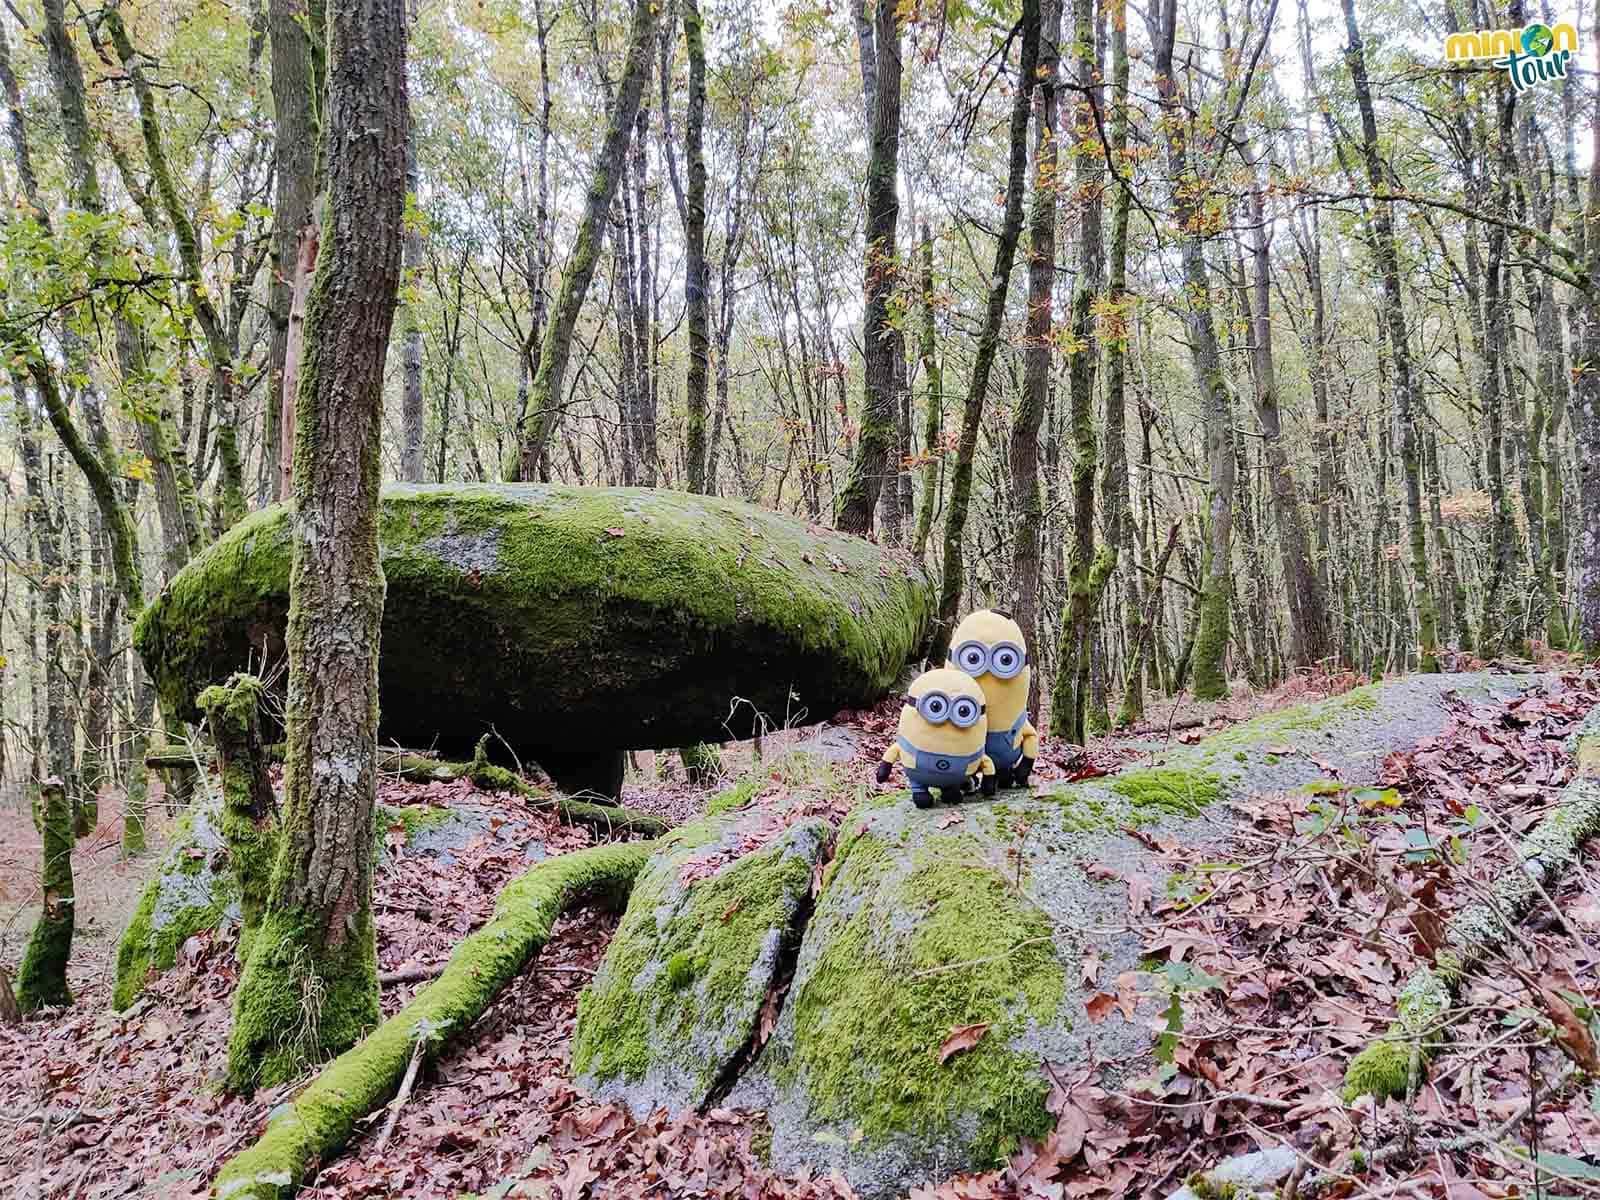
(1391, 1065)
(418, 768)
(321, 1119)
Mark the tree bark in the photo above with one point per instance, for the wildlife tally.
(537, 418)
(310, 989)
(881, 341)
(1087, 571)
(933, 405)
(1308, 611)
(1005, 254)
(695, 272)
(1406, 389)
(1039, 355)
(233, 718)
(42, 977)
(1211, 638)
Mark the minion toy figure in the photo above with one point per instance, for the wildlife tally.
(940, 740)
(988, 646)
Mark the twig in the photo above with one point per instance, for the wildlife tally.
(406, 1085)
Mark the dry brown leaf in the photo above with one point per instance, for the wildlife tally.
(962, 1037)
(1099, 1006)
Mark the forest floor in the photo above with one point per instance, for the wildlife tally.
(1297, 937)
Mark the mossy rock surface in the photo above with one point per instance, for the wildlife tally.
(192, 889)
(672, 1011)
(984, 915)
(578, 619)
(929, 922)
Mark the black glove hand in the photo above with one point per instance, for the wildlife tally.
(1023, 769)
(990, 785)
(883, 772)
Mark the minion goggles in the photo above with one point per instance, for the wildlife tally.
(1003, 660)
(936, 708)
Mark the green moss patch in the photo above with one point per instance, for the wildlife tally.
(909, 950)
(681, 989)
(1168, 790)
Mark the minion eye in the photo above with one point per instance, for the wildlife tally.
(1006, 660)
(935, 708)
(972, 658)
(964, 712)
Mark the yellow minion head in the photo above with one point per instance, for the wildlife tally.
(988, 646)
(944, 712)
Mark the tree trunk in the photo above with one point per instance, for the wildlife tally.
(1005, 254)
(1406, 390)
(537, 418)
(933, 405)
(233, 718)
(42, 977)
(1039, 356)
(310, 989)
(1308, 611)
(299, 70)
(1211, 638)
(881, 342)
(1087, 572)
(411, 410)
(695, 272)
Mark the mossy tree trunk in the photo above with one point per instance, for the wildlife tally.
(230, 503)
(1088, 569)
(882, 342)
(1495, 623)
(42, 978)
(310, 986)
(1115, 328)
(933, 403)
(1039, 355)
(1005, 254)
(1193, 218)
(295, 29)
(1308, 610)
(695, 274)
(536, 420)
(233, 718)
(1407, 392)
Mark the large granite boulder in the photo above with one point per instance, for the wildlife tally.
(952, 952)
(573, 621)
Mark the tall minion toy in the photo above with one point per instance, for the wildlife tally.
(988, 646)
(940, 740)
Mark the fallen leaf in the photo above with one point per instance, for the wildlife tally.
(616, 532)
(962, 1037)
(1099, 1006)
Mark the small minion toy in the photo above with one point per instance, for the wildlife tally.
(939, 744)
(988, 646)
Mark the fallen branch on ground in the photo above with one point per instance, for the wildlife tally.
(1389, 1066)
(418, 768)
(322, 1118)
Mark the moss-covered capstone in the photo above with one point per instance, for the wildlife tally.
(678, 999)
(572, 619)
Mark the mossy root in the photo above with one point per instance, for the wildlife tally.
(321, 1119)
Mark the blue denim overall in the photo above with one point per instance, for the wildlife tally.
(999, 744)
(932, 769)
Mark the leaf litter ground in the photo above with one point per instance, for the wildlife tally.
(1276, 956)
